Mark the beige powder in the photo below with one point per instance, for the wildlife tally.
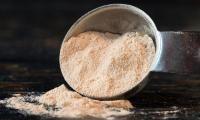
(103, 64)
(62, 103)
(95, 64)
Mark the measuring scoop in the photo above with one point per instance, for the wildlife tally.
(176, 52)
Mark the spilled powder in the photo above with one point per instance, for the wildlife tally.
(102, 65)
(94, 64)
(63, 103)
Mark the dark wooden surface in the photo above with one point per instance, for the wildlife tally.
(162, 99)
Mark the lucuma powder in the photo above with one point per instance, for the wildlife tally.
(103, 65)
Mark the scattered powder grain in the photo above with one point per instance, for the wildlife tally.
(94, 64)
(63, 103)
(100, 65)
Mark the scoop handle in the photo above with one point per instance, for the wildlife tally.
(180, 53)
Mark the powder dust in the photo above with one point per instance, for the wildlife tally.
(94, 64)
(103, 65)
(63, 103)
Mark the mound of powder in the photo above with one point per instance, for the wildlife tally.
(63, 103)
(100, 65)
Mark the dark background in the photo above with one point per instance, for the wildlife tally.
(32, 30)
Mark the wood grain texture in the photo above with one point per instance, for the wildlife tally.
(166, 98)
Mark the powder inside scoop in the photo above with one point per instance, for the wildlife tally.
(99, 64)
